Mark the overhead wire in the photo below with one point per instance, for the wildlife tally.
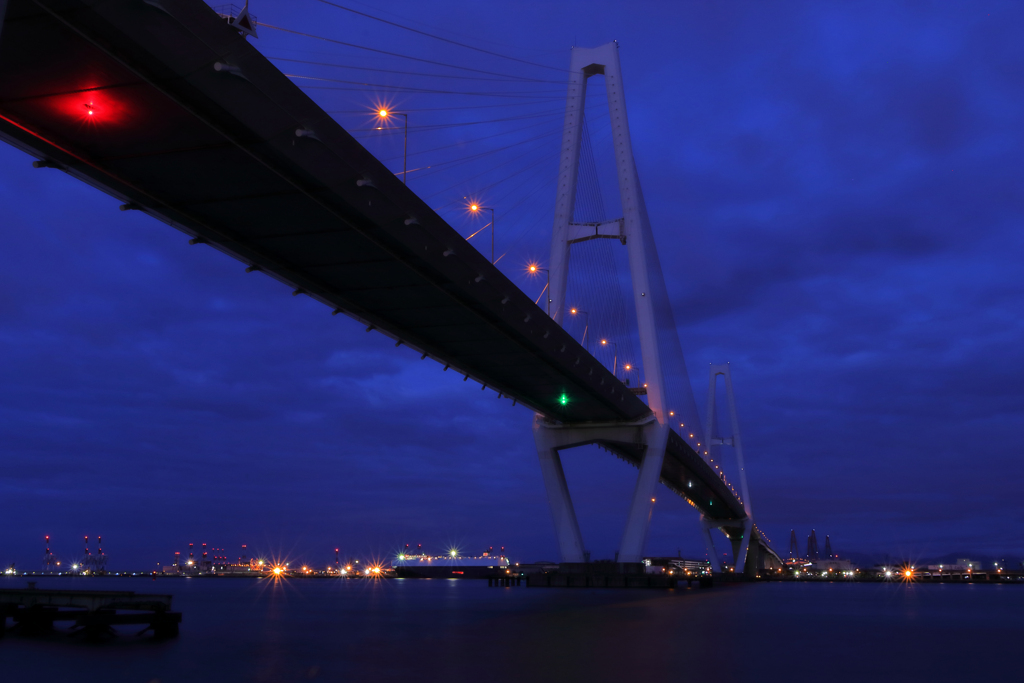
(461, 124)
(446, 30)
(449, 163)
(487, 187)
(503, 79)
(466, 142)
(531, 227)
(488, 152)
(441, 38)
(404, 88)
(532, 167)
(470, 106)
(444, 165)
(595, 285)
(389, 53)
(479, 189)
(591, 260)
(556, 169)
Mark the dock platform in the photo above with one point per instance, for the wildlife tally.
(94, 613)
(612, 575)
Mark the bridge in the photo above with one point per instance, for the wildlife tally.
(168, 108)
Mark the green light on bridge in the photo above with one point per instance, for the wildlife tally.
(564, 399)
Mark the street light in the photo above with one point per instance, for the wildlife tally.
(475, 208)
(384, 114)
(586, 325)
(615, 357)
(533, 268)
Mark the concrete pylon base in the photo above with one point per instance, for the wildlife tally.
(739, 533)
(646, 438)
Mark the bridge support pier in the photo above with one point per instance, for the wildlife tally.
(741, 545)
(567, 528)
(634, 536)
(738, 532)
(642, 442)
(706, 526)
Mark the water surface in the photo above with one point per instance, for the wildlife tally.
(459, 630)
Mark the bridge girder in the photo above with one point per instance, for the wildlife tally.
(166, 107)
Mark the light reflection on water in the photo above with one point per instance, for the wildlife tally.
(334, 630)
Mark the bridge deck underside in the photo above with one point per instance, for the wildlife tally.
(688, 475)
(215, 154)
(127, 96)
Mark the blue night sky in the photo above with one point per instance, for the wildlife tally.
(835, 190)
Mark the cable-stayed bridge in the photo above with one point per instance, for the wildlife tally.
(163, 105)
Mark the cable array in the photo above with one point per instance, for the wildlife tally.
(596, 284)
(463, 155)
(482, 126)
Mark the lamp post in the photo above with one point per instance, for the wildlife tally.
(384, 114)
(586, 325)
(477, 208)
(615, 357)
(547, 290)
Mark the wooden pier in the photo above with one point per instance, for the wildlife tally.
(94, 613)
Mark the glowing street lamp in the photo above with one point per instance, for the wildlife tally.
(615, 356)
(476, 208)
(534, 268)
(383, 114)
(586, 325)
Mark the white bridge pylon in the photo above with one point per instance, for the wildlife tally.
(739, 533)
(669, 393)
